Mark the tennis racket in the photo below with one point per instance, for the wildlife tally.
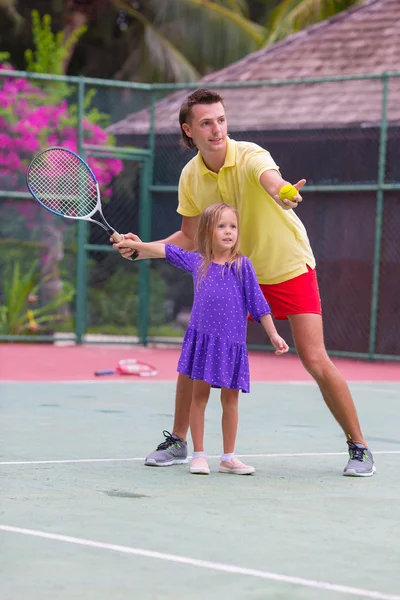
(63, 183)
(131, 366)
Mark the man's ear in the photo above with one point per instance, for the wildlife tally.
(186, 129)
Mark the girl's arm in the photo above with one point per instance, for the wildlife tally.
(259, 308)
(147, 250)
(276, 340)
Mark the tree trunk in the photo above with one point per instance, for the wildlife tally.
(78, 13)
(73, 21)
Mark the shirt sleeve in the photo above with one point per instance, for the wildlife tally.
(181, 258)
(256, 304)
(258, 162)
(186, 204)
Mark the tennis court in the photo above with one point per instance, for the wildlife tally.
(81, 517)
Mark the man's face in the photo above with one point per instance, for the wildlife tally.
(207, 127)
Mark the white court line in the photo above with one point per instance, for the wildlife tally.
(93, 460)
(133, 379)
(378, 390)
(204, 564)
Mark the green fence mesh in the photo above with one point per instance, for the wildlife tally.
(77, 286)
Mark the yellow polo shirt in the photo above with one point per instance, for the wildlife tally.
(274, 239)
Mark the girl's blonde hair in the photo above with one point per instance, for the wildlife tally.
(209, 220)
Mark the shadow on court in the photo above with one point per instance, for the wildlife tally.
(81, 517)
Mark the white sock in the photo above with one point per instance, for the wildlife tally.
(197, 454)
(227, 457)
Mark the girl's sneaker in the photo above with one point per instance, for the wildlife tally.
(199, 466)
(236, 467)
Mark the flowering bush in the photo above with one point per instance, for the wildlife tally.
(30, 121)
(32, 118)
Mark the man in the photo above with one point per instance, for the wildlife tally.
(273, 237)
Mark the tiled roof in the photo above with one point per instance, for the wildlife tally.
(364, 40)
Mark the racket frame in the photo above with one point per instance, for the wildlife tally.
(105, 225)
(122, 368)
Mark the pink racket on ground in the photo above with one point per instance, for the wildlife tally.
(131, 366)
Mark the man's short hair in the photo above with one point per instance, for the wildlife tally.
(202, 96)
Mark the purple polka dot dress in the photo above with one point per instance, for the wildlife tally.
(214, 347)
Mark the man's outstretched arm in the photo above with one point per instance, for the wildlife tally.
(272, 182)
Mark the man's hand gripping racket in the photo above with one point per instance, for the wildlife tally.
(63, 183)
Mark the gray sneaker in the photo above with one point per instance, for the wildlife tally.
(361, 462)
(172, 451)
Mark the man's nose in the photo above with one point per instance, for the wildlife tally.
(216, 128)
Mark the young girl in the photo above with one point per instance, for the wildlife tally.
(214, 352)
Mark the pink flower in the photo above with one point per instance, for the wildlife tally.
(35, 123)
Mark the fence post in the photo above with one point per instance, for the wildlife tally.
(379, 218)
(144, 265)
(81, 254)
(145, 217)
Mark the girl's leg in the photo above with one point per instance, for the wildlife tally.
(229, 463)
(201, 393)
(230, 417)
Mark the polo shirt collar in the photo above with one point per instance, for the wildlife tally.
(230, 159)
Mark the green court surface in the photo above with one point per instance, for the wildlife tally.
(81, 517)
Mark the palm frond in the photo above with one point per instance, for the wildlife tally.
(158, 58)
(291, 16)
(10, 6)
(206, 32)
(161, 58)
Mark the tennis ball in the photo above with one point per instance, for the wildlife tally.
(287, 192)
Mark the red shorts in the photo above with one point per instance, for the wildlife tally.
(297, 296)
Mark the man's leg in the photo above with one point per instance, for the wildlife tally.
(308, 337)
(173, 450)
(183, 401)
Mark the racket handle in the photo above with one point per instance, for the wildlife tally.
(118, 238)
(104, 372)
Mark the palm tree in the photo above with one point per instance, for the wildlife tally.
(171, 40)
(163, 40)
(290, 16)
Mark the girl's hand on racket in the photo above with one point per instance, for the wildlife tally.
(125, 248)
(279, 344)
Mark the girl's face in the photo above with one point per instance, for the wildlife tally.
(226, 232)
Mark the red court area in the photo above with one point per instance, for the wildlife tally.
(48, 362)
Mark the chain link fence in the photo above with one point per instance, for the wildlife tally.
(61, 280)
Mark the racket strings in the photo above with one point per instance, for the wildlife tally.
(63, 183)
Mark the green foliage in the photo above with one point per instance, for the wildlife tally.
(181, 40)
(49, 54)
(19, 290)
(92, 114)
(117, 302)
(291, 16)
(50, 48)
(4, 57)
